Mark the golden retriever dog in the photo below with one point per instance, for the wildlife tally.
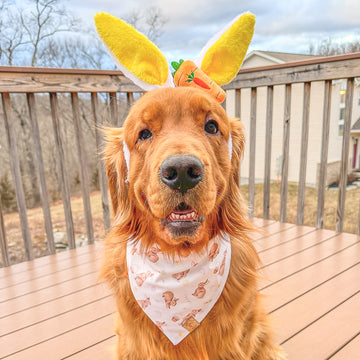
(180, 164)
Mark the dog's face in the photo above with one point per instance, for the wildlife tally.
(180, 166)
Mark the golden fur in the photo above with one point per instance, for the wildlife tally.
(237, 326)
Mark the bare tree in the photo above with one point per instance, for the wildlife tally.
(149, 21)
(26, 28)
(85, 50)
(75, 52)
(11, 33)
(327, 47)
(44, 21)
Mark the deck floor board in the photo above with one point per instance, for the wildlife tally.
(310, 279)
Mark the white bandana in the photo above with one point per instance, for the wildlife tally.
(177, 294)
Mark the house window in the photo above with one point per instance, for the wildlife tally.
(341, 112)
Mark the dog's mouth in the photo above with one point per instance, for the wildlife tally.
(183, 221)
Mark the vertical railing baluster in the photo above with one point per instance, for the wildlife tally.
(238, 103)
(223, 104)
(238, 115)
(65, 193)
(114, 110)
(3, 242)
(130, 98)
(102, 173)
(324, 154)
(45, 203)
(303, 154)
(285, 153)
(83, 168)
(15, 169)
(252, 145)
(268, 140)
(345, 155)
(358, 226)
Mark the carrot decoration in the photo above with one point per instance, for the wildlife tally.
(188, 74)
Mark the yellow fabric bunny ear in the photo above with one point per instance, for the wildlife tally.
(222, 56)
(136, 56)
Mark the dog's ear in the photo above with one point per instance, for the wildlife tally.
(116, 168)
(237, 148)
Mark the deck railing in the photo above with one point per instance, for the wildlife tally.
(324, 69)
(30, 81)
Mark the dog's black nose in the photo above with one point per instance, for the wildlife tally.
(181, 172)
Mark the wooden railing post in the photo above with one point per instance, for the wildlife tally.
(268, 140)
(102, 173)
(238, 115)
(252, 148)
(65, 193)
(238, 103)
(15, 169)
(324, 154)
(303, 155)
(3, 242)
(41, 173)
(345, 155)
(83, 168)
(114, 110)
(130, 98)
(285, 153)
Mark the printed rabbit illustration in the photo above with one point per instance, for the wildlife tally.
(190, 315)
(169, 299)
(181, 274)
(200, 291)
(222, 266)
(214, 251)
(152, 254)
(144, 303)
(140, 278)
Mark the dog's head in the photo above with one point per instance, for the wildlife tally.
(173, 168)
(181, 179)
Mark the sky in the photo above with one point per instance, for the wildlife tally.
(285, 25)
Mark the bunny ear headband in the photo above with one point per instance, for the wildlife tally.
(142, 62)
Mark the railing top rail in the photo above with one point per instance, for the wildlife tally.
(15, 79)
(315, 69)
(314, 60)
(44, 70)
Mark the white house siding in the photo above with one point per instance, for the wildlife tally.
(315, 130)
(256, 61)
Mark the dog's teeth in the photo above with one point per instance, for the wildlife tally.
(188, 216)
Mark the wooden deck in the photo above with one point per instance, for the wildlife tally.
(54, 307)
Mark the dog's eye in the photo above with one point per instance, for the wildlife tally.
(145, 134)
(212, 127)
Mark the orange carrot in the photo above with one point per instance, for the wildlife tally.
(188, 74)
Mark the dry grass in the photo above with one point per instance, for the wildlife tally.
(36, 223)
(37, 229)
(310, 209)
